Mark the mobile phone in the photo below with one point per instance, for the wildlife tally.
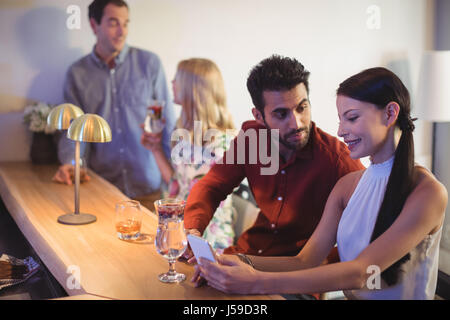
(201, 248)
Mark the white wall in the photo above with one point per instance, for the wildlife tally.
(332, 38)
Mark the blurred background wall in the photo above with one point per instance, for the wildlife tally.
(332, 38)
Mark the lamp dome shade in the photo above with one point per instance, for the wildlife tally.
(61, 116)
(89, 128)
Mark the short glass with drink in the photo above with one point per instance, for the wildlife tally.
(128, 220)
(154, 122)
(170, 240)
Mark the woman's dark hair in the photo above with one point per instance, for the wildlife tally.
(96, 8)
(380, 86)
(275, 73)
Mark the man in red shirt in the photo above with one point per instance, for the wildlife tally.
(292, 197)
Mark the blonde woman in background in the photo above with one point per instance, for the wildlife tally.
(198, 87)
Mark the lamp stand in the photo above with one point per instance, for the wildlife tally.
(77, 218)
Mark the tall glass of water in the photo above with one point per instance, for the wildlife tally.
(170, 240)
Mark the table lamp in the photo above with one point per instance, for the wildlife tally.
(86, 128)
(433, 100)
(62, 115)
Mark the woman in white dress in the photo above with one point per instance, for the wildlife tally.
(386, 220)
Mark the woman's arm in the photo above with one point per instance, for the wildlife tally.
(314, 252)
(275, 274)
(163, 164)
(422, 214)
(153, 142)
(232, 276)
(322, 240)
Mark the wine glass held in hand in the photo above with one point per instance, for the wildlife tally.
(170, 240)
(154, 122)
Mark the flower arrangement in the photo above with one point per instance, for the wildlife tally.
(35, 116)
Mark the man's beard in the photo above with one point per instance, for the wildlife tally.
(295, 145)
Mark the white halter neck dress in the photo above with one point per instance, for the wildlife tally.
(418, 276)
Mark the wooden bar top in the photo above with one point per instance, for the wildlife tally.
(90, 259)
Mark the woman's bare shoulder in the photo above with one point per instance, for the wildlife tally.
(351, 177)
(347, 185)
(426, 183)
(428, 189)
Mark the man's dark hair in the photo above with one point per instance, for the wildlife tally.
(97, 7)
(275, 73)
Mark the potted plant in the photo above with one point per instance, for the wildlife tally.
(43, 147)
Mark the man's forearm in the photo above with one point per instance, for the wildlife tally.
(206, 195)
(200, 207)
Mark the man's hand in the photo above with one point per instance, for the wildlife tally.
(66, 175)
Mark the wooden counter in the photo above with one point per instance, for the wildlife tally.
(106, 266)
